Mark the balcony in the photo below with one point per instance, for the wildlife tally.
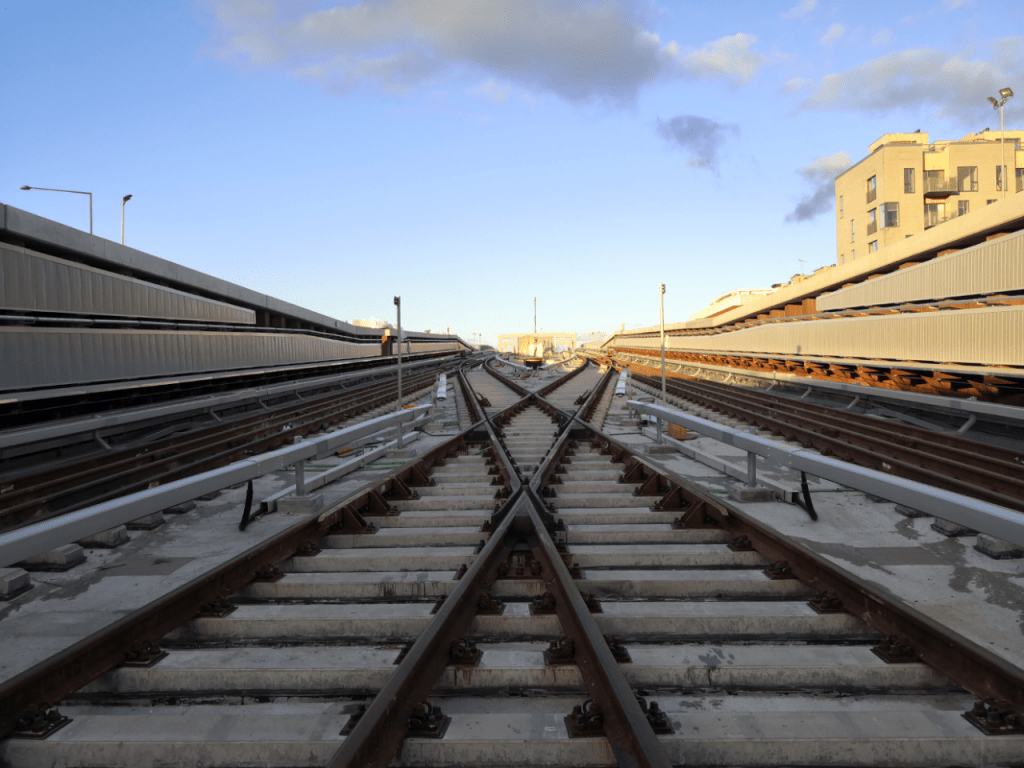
(872, 194)
(941, 188)
(934, 218)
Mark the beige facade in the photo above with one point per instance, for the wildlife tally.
(907, 184)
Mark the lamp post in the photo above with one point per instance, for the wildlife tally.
(1005, 95)
(398, 303)
(73, 192)
(124, 200)
(664, 400)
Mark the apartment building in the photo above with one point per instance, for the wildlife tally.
(908, 184)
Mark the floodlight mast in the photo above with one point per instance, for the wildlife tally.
(73, 192)
(1006, 94)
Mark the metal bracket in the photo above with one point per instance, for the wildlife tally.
(560, 651)
(428, 722)
(994, 718)
(585, 721)
(543, 605)
(143, 653)
(39, 723)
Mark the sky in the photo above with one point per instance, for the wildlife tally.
(469, 155)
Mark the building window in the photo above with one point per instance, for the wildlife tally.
(989, 202)
(967, 178)
(872, 191)
(934, 181)
(872, 246)
(1020, 179)
(842, 258)
(962, 207)
(872, 221)
(840, 206)
(999, 178)
(890, 215)
(853, 232)
(853, 254)
(908, 181)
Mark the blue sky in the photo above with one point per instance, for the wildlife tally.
(472, 154)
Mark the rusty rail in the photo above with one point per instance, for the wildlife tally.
(76, 666)
(547, 389)
(377, 736)
(119, 472)
(517, 388)
(941, 461)
(968, 664)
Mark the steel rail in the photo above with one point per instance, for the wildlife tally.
(29, 540)
(43, 434)
(950, 406)
(469, 397)
(76, 666)
(980, 455)
(629, 733)
(26, 408)
(880, 455)
(547, 389)
(968, 664)
(517, 388)
(378, 735)
(110, 476)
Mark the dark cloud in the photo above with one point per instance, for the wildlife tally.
(700, 137)
(822, 174)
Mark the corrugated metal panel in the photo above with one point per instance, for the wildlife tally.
(423, 346)
(35, 282)
(49, 357)
(993, 267)
(991, 336)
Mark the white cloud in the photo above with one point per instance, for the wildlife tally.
(732, 58)
(580, 51)
(795, 84)
(491, 89)
(800, 9)
(700, 137)
(821, 173)
(956, 84)
(832, 34)
(882, 37)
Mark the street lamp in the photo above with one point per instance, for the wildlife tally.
(664, 400)
(398, 304)
(1006, 94)
(124, 200)
(73, 192)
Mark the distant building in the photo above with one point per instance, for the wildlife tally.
(907, 185)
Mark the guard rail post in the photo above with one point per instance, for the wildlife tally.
(751, 466)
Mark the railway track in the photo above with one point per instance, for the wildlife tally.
(64, 486)
(979, 470)
(535, 594)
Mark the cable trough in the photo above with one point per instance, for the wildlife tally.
(532, 592)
